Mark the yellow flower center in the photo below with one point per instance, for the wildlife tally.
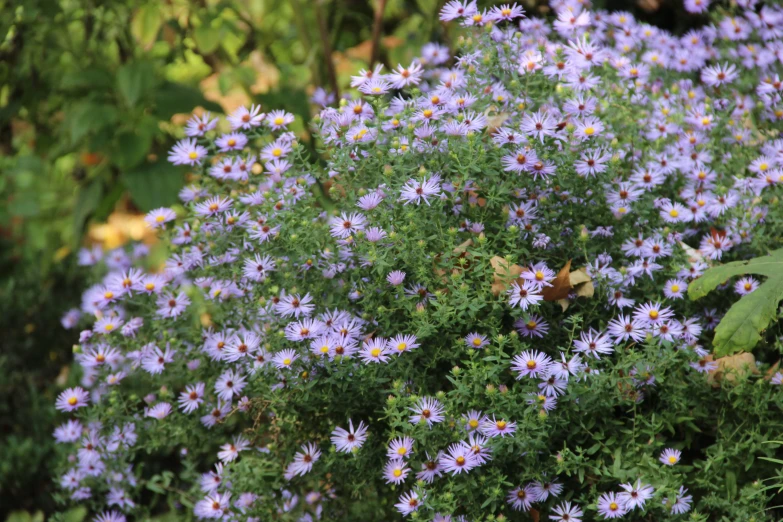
(473, 423)
(375, 352)
(476, 342)
(108, 295)
(277, 152)
(674, 213)
(501, 425)
(763, 167)
(460, 460)
(675, 288)
(149, 286)
(589, 131)
(286, 361)
(279, 121)
(72, 401)
(193, 155)
(324, 349)
(705, 121)
(109, 327)
(531, 364)
(402, 451)
(231, 142)
(613, 506)
(402, 347)
(672, 459)
(653, 314)
(397, 472)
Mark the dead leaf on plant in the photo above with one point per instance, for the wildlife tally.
(561, 285)
(733, 368)
(505, 274)
(693, 254)
(772, 371)
(534, 514)
(495, 121)
(460, 252)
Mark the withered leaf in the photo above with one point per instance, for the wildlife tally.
(561, 285)
(772, 371)
(733, 368)
(505, 274)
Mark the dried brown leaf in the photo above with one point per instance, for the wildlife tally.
(733, 368)
(772, 371)
(561, 285)
(505, 274)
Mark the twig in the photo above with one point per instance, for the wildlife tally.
(377, 28)
(327, 47)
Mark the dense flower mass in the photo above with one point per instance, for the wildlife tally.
(475, 306)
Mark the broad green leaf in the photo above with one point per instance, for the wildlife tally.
(741, 327)
(134, 80)
(153, 185)
(174, 98)
(89, 78)
(207, 37)
(146, 23)
(86, 202)
(89, 117)
(130, 148)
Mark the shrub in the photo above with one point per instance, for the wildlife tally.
(474, 309)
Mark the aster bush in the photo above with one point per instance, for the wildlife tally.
(472, 306)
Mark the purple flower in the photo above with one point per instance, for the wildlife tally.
(187, 152)
(159, 217)
(159, 411)
(71, 399)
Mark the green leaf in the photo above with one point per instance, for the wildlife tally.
(130, 148)
(174, 98)
(89, 78)
(89, 117)
(153, 185)
(134, 80)
(146, 23)
(207, 37)
(741, 327)
(86, 202)
(731, 485)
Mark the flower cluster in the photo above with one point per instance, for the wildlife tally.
(476, 304)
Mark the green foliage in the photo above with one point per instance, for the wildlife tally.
(741, 327)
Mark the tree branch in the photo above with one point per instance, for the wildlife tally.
(377, 29)
(323, 32)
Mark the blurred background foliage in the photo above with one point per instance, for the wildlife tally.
(93, 93)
